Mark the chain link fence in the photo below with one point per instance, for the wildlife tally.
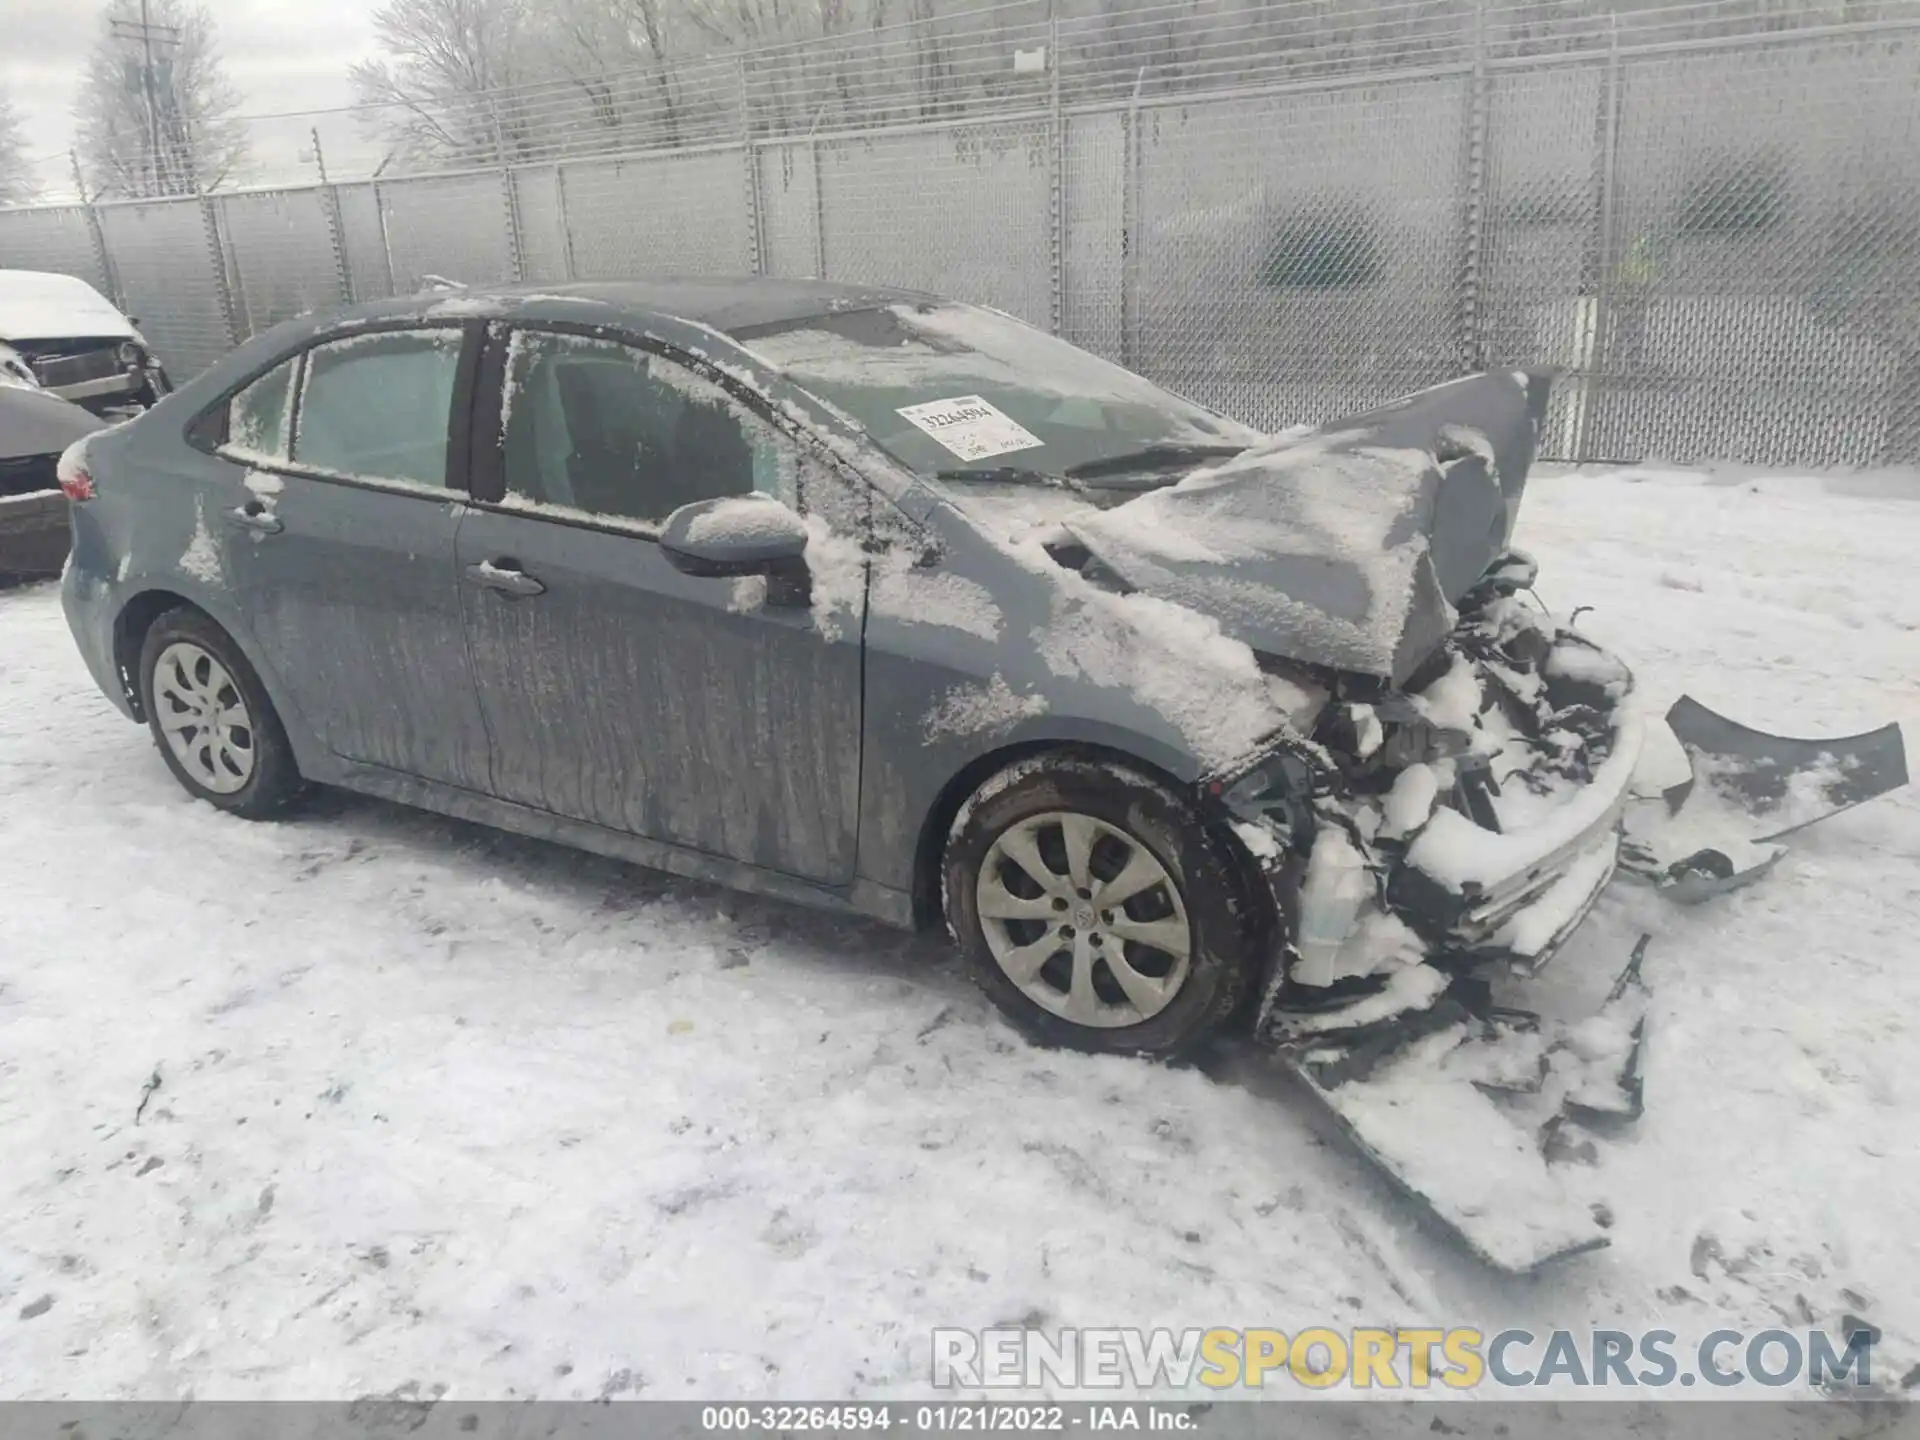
(1711, 228)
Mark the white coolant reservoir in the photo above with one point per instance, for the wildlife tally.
(1337, 885)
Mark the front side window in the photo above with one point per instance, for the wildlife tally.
(604, 429)
(375, 406)
(257, 416)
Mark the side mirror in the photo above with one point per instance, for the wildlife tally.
(739, 535)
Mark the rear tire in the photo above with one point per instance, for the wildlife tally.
(212, 720)
(1154, 971)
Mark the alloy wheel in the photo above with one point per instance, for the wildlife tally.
(203, 717)
(1084, 919)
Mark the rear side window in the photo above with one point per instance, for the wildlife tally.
(600, 428)
(374, 407)
(257, 418)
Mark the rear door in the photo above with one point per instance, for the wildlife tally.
(343, 561)
(617, 689)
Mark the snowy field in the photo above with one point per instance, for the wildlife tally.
(437, 1107)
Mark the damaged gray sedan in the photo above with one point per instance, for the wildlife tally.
(900, 607)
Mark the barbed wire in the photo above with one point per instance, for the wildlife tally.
(979, 63)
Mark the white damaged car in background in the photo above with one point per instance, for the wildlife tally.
(61, 333)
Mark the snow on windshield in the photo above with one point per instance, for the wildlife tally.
(945, 343)
(889, 365)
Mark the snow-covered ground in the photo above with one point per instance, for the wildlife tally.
(370, 1099)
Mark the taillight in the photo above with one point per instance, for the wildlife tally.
(76, 481)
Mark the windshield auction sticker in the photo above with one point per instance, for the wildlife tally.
(970, 428)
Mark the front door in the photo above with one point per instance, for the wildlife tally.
(618, 690)
(340, 548)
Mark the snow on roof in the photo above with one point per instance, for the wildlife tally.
(40, 305)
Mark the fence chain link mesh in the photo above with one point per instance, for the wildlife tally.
(1706, 217)
(279, 255)
(55, 239)
(169, 280)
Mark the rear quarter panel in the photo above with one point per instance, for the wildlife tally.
(156, 529)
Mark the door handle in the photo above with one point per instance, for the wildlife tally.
(256, 517)
(505, 576)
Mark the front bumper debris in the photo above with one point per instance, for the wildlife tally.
(1465, 1108)
(1719, 829)
(1412, 892)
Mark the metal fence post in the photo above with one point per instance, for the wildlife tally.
(1056, 186)
(218, 259)
(516, 251)
(98, 237)
(1593, 338)
(1472, 340)
(510, 197)
(337, 241)
(819, 210)
(386, 241)
(516, 247)
(566, 221)
(750, 158)
(336, 230)
(1130, 152)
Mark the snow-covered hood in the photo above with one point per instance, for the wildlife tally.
(1344, 546)
(35, 305)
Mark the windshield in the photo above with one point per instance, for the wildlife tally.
(958, 392)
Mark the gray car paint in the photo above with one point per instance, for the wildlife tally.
(619, 697)
(353, 598)
(760, 806)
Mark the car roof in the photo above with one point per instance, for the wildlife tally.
(729, 304)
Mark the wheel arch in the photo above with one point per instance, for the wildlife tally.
(930, 848)
(136, 617)
(130, 627)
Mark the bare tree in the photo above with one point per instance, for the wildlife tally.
(604, 45)
(156, 114)
(440, 92)
(17, 184)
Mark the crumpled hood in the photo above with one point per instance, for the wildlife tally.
(1344, 546)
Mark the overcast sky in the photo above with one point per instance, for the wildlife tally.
(280, 55)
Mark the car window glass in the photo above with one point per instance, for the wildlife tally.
(604, 429)
(949, 387)
(257, 416)
(375, 406)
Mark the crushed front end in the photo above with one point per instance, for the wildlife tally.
(1431, 847)
(1426, 841)
(1468, 819)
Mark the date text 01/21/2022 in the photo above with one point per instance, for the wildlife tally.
(945, 1419)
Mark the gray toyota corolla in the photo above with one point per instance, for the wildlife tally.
(887, 604)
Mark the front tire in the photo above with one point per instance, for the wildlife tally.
(1096, 910)
(212, 720)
